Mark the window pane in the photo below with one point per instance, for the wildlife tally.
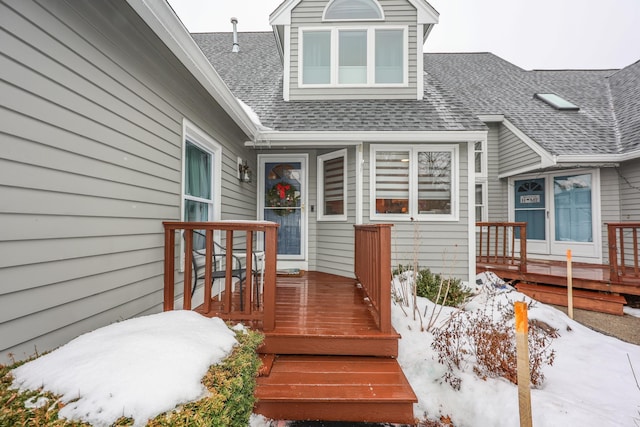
(333, 171)
(572, 200)
(392, 182)
(316, 62)
(389, 56)
(434, 182)
(352, 61)
(198, 172)
(478, 152)
(479, 202)
(353, 9)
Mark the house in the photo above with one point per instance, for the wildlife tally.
(340, 92)
(558, 150)
(115, 120)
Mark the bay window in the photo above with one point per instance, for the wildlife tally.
(353, 56)
(418, 182)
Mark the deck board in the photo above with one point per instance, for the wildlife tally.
(595, 277)
(336, 388)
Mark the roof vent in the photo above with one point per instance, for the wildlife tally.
(236, 46)
(556, 101)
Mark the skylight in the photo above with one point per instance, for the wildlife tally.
(557, 102)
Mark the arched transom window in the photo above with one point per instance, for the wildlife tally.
(353, 10)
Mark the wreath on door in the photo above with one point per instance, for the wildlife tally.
(284, 196)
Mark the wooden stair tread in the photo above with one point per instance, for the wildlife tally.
(584, 299)
(315, 378)
(336, 388)
(596, 295)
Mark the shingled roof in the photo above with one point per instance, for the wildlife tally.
(255, 77)
(458, 88)
(608, 121)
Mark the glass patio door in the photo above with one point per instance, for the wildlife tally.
(572, 219)
(282, 200)
(561, 213)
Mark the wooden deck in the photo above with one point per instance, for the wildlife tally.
(595, 277)
(599, 287)
(327, 358)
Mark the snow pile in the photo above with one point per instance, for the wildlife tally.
(591, 382)
(138, 368)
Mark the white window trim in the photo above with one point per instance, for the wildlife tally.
(484, 162)
(485, 194)
(413, 184)
(333, 63)
(321, 159)
(328, 6)
(197, 136)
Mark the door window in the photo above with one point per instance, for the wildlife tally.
(283, 204)
(530, 207)
(572, 206)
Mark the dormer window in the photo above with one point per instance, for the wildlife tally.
(353, 10)
(353, 56)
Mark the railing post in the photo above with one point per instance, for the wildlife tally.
(384, 276)
(169, 267)
(269, 303)
(613, 253)
(523, 248)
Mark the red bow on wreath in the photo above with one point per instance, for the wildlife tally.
(282, 189)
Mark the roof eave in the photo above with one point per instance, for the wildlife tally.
(273, 138)
(163, 21)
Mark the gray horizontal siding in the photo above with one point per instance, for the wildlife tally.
(397, 12)
(335, 239)
(630, 190)
(497, 198)
(90, 166)
(515, 154)
(609, 204)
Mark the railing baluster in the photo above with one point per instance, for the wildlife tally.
(188, 267)
(222, 306)
(498, 244)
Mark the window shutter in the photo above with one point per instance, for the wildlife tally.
(334, 186)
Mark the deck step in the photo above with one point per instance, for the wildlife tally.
(336, 388)
(584, 299)
(365, 344)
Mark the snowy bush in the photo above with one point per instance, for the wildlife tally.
(486, 340)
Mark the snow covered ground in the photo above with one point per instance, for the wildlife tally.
(145, 366)
(591, 382)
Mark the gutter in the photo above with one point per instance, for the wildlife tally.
(163, 21)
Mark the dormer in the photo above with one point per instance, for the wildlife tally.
(352, 49)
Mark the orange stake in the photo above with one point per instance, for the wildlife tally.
(524, 376)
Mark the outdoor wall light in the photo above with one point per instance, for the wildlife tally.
(244, 172)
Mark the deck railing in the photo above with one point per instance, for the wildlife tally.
(497, 244)
(373, 268)
(177, 231)
(624, 251)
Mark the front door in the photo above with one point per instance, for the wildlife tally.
(561, 213)
(283, 187)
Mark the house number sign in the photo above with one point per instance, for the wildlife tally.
(532, 198)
